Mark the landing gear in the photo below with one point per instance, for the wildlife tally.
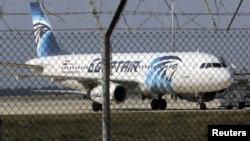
(158, 104)
(201, 106)
(96, 107)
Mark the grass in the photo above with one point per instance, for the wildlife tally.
(129, 126)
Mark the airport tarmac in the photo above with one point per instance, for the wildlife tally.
(56, 104)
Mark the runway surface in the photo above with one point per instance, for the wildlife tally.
(73, 104)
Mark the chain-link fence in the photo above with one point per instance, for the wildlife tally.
(36, 107)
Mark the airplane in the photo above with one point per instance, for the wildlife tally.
(193, 76)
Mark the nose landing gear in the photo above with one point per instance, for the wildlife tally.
(201, 106)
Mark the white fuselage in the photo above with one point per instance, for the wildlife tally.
(187, 72)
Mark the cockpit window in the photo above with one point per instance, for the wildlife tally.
(220, 64)
(213, 65)
(209, 65)
(203, 65)
(224, 64)
(217, 65)
(206, 65)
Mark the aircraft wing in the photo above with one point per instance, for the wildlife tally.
(127, 83)
(83, 80)
(38, 69)
(50, 77)
(16, 75)
(23, 66)
(61, 91)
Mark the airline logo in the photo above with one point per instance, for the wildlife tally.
(70, 67)
(117, 66)
(66, 62)
(47, 45)
(161, 72)
(95, 66)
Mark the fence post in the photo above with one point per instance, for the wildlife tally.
(105, 52)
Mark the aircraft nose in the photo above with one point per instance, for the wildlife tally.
(227, 78)
(222, 79)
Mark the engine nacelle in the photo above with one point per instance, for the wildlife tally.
(117, 94)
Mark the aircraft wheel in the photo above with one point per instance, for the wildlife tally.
(154, 104)
(201, 106)
(157, 104)
(162, 104)
(143, 97)
(241, 105)
(229, 107)
(96, 106)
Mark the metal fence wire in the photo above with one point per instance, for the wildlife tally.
(37, 104)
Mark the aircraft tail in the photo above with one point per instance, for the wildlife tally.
(47, 44)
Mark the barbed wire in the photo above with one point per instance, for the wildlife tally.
(139, 13)
(142, 15)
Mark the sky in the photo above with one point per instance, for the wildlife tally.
(138, 15)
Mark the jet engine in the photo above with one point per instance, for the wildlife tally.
(117, 94)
